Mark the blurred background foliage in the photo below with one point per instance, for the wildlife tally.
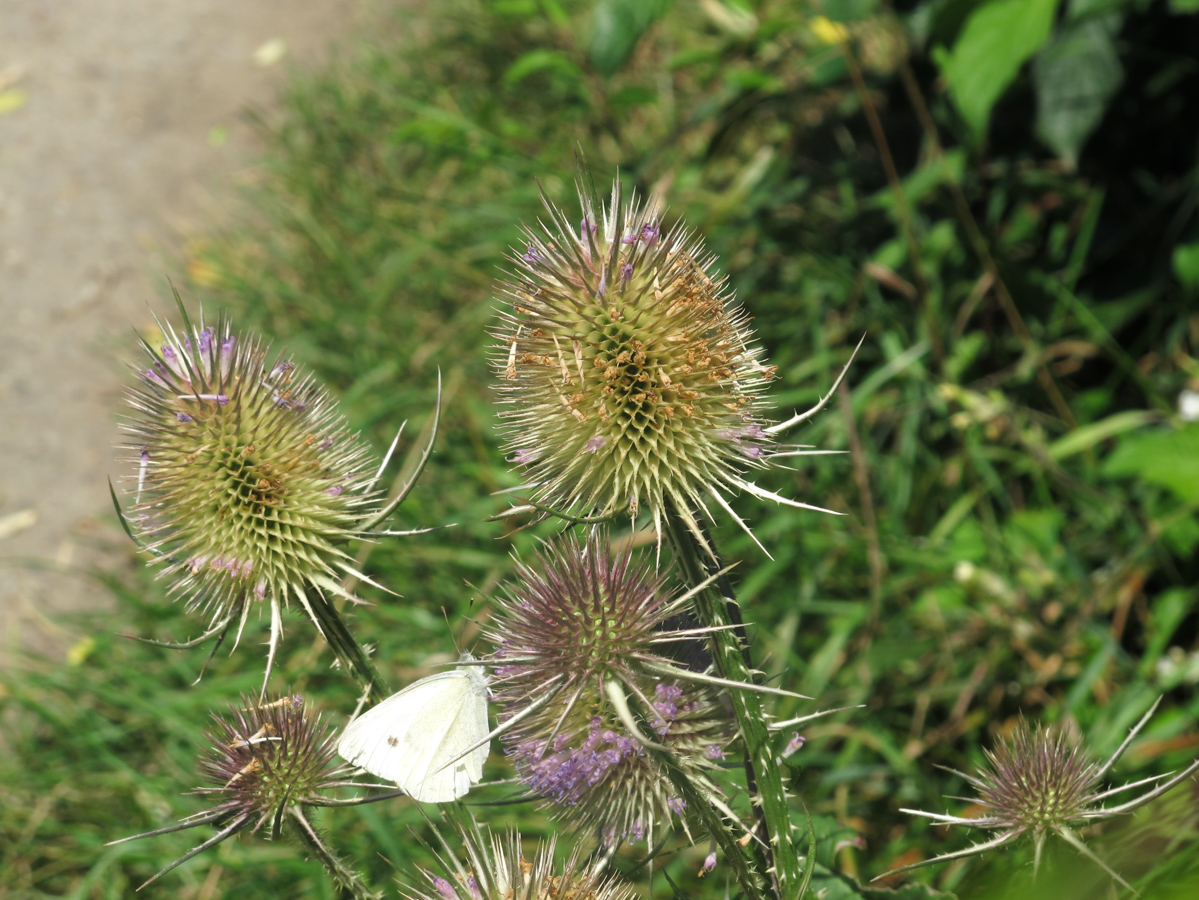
(1000, 195)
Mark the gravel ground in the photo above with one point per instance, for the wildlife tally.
(121, 136)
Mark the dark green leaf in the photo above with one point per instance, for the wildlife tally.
(1166, 458)
(1186, 265)
(1075, 77)
(617, 27)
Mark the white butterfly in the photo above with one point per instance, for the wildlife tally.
(419, 738)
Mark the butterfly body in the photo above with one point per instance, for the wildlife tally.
(419, 738)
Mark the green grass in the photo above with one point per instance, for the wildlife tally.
(1022, 555)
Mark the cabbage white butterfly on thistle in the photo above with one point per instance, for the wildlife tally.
(422, 737)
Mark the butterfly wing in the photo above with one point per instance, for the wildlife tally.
(417, 738)
(449, 769)
(387, 738)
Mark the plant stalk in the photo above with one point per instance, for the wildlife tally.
(349, 883)
(717, 607)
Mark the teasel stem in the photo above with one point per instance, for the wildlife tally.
(717, 608)
(350, 883)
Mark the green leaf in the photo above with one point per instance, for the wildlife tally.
(1166, 458)
(1075, 77)
(1088, 436)
(617, 27)
(995, 42)
(1186, 265)
(541, 60)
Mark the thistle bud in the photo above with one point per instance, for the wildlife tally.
(1038, 782)
(249, 482)
(577, 619)
(266, 762)
(630, 373)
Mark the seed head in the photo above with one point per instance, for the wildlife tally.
(249, 482)
(496, 869)
(1037, 782)
(631, 375)
(575, 620)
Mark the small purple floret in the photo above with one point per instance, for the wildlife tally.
(595, 443)
(567, 773)
(650, 233)
(797, 741)
(626, 272)
(677, 805)
(206, 339)
(445, 888)
(184, 417)
(709, 863)
(714, 751)
(335, 491)
(533, 255)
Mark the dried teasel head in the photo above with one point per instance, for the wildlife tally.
(497, 867)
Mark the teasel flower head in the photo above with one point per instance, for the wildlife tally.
(1039, 782)
(578, 625)
(496, 868)
(630, 375)
(249, 484)
(268, 762)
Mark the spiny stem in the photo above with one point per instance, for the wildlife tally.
(751, 882)
(717, 607)
(349, 883)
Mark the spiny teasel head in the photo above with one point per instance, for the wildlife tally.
(576, 621)
(249, 483)
(1038, 781)
(268, 755)
(629, 372)
(496, 868)
(266, 763)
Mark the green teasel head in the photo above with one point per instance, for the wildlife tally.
(630, 375)
(250, 485)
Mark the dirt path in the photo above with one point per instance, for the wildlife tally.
(120, 135)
